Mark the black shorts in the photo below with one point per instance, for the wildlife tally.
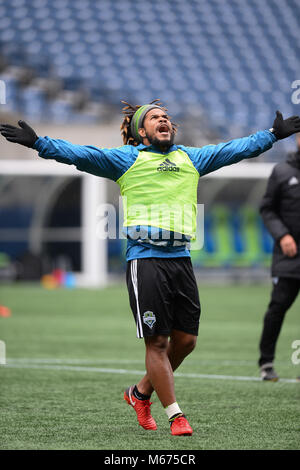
(163, 295)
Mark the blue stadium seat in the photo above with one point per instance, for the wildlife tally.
(33, 103)
(234, 59)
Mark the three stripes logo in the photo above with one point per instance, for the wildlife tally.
(167, 165)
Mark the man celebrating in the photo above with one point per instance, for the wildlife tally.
(280, 210)
(151, 169)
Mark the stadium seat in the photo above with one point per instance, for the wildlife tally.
(228, 58)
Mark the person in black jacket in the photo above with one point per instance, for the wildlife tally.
(280, 210)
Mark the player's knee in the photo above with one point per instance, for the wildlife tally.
(158, 344)
(192, 344)
(189, 343)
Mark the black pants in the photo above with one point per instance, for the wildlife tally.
(284, 292)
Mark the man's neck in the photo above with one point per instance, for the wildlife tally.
(161, 147)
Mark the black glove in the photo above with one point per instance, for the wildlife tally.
(283, 128)
(23, 135)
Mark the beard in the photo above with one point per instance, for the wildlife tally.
(163, 143)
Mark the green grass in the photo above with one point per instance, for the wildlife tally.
(84, 409)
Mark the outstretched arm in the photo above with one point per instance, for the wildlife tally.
(109, 163)
(212, 157)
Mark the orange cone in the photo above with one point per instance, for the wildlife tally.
(5, 311)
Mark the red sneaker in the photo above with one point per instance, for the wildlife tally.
(180, 427)
(142, 409)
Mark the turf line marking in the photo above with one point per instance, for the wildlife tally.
(72, 361)
(130, 361)
(135, 372)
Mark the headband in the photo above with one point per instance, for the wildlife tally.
(138, 118)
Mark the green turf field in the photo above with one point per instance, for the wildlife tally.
(71, 353)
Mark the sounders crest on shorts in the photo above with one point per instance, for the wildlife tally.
(149, 318)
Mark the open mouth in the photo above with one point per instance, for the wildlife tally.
(163, 129)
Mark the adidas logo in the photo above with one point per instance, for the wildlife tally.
(167, 165)
(293, 180)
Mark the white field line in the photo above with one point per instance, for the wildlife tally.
(62, 367)
(130, 361)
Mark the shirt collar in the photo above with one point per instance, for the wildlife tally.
(156, 149)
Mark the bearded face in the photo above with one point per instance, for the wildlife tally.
(157, 129)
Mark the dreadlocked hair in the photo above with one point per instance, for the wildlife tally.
(129, 111)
